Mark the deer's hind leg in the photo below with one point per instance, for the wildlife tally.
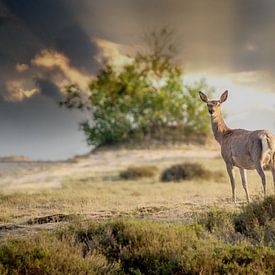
(258, 158)
(272, 168)
(261, 173)
(231, 175)
(244, 182)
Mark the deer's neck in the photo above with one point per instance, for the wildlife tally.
(219, 127)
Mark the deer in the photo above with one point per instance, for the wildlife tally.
(244, 149)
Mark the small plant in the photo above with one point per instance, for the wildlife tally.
(216, 219)
(137, 172)
(185, 171)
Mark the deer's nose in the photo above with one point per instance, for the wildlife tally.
(211, 112)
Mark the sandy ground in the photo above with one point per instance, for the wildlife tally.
(42, 175)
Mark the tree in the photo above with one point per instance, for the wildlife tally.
(143, 99)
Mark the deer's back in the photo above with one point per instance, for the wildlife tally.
(242, 148)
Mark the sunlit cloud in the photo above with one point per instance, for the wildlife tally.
(51, 66)
(113, 52)
(15, 91)
(20, 68)
(54, 60)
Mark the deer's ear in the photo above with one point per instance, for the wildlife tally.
(224, 97)
(203, 97)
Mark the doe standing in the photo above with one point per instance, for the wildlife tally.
(247, 150)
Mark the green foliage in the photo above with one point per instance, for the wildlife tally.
(145, 99)
(137, 172)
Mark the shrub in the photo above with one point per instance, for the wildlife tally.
(49, 255)
(137, 172)
(143, 247)
(257, 220)
(185, 171)
(133, 247)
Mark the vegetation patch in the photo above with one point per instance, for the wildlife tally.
(216, 219)
(137, 172)
(142, 247)
(257, 221)
(46, 254)
(187, 171)
(211, 244)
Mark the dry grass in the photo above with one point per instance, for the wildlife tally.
(93, 184)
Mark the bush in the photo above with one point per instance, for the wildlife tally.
(143, 247)
(257, 221)
(137, 172)
(137, 247)
(185, 171)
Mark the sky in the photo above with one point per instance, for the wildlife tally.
(48, 44)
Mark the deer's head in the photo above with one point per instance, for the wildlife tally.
(214, 106)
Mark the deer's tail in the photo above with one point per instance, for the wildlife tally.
(268, 145)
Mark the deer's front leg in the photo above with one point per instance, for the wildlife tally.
(230, 172)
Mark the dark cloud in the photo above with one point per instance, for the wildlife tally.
(228, 35)
(47, 24)
(76, 44)
(4, 20)
(45, 18)
(48, 88)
